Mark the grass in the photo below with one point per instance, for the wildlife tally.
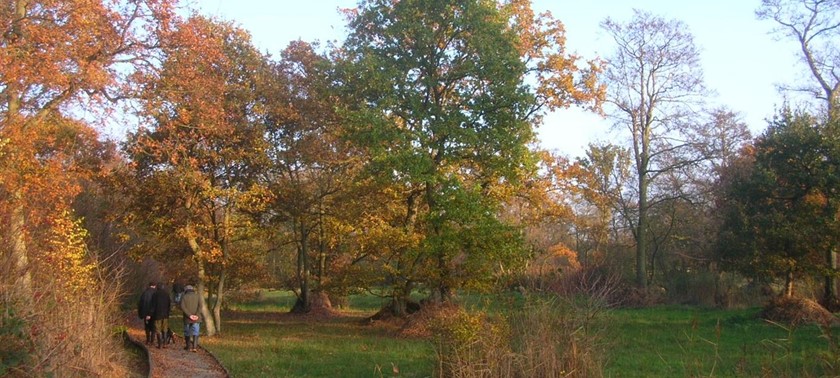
(257, 343)
(259, 340)
(680, 341)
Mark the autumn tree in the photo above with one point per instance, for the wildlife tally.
(653, 79)
(57, 57)
(308, 165)
(782, 205)
(446, 111)
(597, 180)
(815, 26)
(192, 158)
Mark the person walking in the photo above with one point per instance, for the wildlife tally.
(144, 311)
(161, 305)
(178, 290)
(191, 306)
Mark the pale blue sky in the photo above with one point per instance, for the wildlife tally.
(742, 62)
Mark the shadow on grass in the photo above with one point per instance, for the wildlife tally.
(264, 343)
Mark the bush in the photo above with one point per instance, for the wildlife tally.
(15, 344)
(472, 345)
(548, 338)
(556, 338)
(796, 311)
(57, 324)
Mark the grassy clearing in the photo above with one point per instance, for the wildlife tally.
(259, 344)
(652, 342)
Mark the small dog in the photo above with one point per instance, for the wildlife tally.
(170, 337)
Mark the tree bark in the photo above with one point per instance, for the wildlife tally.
(20, 253)
(304, 301)
(642, 236)
(209, 321)
(830, 289)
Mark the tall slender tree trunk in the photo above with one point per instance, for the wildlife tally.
(830, 289)
(15, 121)
(641, 232)
(209, 320)
(322, 245)
(304, 301)
(220, 288)
(217, 305)
(20, 253)
(442, 292)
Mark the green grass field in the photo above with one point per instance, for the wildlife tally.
(678, 341)
(655, 342)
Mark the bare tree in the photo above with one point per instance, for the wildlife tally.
(654, 80)
(815, 25)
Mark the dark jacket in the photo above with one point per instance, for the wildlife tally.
(178, 291)
(144, 305)
(190, 306)
(161, 304)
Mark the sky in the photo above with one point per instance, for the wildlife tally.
(742, 61)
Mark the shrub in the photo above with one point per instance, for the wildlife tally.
(548, 338)
(471, 345)
(556, 338)
(796, 311)
(59, 311)
(15, 344)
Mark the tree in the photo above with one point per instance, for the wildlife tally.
(782, 205)
(54, 55)
(602, 174)
(308, 167)
(446, 115)
(653, 79)
(815, 25)
(193, 161)
(57, 57)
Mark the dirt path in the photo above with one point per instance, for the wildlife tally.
(173, 361)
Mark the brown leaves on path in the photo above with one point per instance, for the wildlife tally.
(173, 361)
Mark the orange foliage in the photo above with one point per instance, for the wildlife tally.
(563, 256)
(542, 44)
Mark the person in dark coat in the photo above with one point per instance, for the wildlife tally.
(161, 305)
(178, 290)
(191, 307)
(144, 311)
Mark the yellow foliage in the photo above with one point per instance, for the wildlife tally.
(67, 254)
(816, 199)
(214, 255)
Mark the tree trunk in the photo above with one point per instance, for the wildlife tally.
(209, 321)
(789, 284)
(14, 119)
(830, 289)
(400, 300)
(641, 232)
(220, 295)
(304, 301)
(220, 287)
(23, 283)
(322, 246)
